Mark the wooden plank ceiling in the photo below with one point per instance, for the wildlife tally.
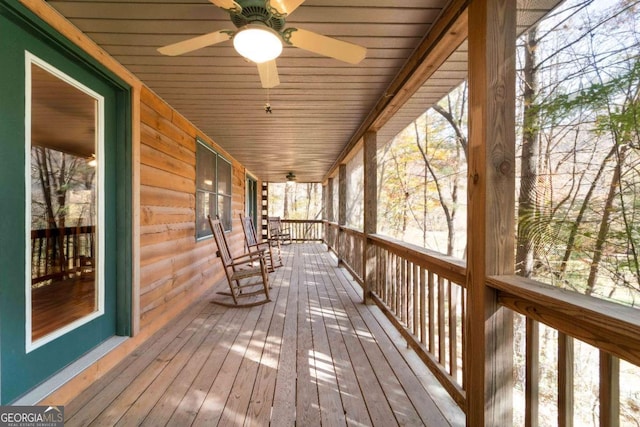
(320, 102)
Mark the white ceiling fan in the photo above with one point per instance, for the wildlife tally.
(260, 33)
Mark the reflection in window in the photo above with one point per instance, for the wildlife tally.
(213, 189)
(64, 203)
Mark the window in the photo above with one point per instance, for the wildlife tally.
(213, 189)
(64, 203)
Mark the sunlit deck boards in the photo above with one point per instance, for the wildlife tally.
(314, 356)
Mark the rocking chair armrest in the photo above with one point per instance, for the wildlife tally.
(249, 256)
(258, 248)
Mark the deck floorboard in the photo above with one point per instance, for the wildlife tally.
(313, 356)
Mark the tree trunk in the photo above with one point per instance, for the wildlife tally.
(604, 223)
(575, 225)
(527, 201)
(443, 202)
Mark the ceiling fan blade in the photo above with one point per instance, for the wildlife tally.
(269, 74)
(195, 43)
(228, 5)
(286, 7)
(327, 46)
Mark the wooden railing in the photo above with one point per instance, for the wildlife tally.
(331, 232)
(59, 252)
(422, 292)
(424, 295)
(348, 245)
(302, 230)
(613, 329)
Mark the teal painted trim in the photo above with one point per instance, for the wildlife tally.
(44, 30)
(124, 217)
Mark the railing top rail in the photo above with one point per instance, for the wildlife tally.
(604, 324)
(302, 221)
(350, 230)
(445, 266)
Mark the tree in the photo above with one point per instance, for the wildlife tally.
(529, 159)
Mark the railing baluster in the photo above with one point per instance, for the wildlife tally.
(403, 291)
(441, 322)
(565, 380)
(532, 368)
(432, 315)
(398, 285)
(463, 352)
(609, 390)
(416, 301)
(423, 308)
(453, 328)
(409, 296)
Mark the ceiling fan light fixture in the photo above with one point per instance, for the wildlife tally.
(257, 43)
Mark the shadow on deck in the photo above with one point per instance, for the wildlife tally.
(313, 356)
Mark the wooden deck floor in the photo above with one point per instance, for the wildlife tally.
(314, 356)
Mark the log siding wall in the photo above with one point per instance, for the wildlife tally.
(174, 267)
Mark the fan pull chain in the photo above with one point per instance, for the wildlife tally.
(267, 106)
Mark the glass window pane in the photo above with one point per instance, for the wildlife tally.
(203, 208)
(224, 211)
(64, 203)
(209, 168)
(224, 177)
(205, 168)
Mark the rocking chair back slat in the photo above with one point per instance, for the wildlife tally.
(249, 231)
(223, 249)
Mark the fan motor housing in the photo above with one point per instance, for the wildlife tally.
(257, 11)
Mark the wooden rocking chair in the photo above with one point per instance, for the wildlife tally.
(241, 271)
(272, 252)
(277, 233)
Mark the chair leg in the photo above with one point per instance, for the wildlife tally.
(265, 280)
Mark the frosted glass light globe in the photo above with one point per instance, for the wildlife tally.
(257, 43)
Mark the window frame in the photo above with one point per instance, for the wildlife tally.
(215, 193)
(31, 344)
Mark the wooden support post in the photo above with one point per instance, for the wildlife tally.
(342, 210)
(325, 225)
(324, 203)
(330, 200)
(342, 194)
(490, 219)
(329, 206)
(370, 211)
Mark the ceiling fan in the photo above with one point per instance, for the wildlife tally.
(260, 33)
